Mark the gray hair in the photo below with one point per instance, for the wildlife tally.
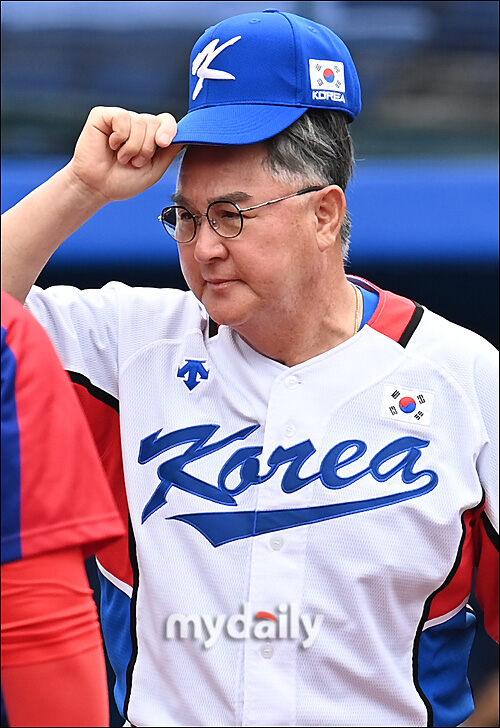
(317, 149)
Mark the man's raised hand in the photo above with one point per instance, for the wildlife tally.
(121, 153)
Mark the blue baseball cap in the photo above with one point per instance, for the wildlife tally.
(253, 75)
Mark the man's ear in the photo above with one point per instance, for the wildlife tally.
(330, 211)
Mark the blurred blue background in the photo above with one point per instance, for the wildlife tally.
(424, 199)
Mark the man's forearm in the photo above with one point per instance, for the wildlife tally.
(33, 229)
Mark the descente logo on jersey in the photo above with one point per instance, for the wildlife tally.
(193, 372)
(220, 528)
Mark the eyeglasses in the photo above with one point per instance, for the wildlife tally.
(224, 217)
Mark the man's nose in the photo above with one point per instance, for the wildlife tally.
(208, 245)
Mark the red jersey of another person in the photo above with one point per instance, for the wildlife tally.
(57, 508)
(54, 491)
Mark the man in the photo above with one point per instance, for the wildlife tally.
(56, 510)
(309, 460)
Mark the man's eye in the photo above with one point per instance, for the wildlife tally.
(224, 211)
(184, 216)
(228, 214)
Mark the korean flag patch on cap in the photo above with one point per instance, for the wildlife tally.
(327, 75)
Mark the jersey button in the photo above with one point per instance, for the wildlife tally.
(292, 381)
(290, 430)
(267, 651)
(276, 543)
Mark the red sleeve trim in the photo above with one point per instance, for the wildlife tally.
(477, 556)
(395, 316)
(487, 574)
(458, 585)
(101, 410)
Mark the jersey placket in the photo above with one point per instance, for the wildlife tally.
(278, 563)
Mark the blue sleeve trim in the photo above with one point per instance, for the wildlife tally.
(115, 621)
(443, 657)
(370, 303)
(11, 458)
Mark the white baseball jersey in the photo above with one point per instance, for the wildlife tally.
(302, 539)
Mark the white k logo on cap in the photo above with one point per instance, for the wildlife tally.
(204, 59)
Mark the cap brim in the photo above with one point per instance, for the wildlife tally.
(235, 123)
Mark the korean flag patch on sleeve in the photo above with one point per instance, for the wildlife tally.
(407, 405)
(327, 75)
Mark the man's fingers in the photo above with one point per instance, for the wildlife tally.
(160, 131)
(116, 123)
(166, 131)
(137, 138)
(140, 132)
(149, 144)
(135, 141)
(119, 137)
(163, 158)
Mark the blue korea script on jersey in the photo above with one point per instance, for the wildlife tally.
(220, 528)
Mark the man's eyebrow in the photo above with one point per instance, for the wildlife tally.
(236, 196)
(179, 199)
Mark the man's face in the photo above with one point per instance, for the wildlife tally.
(263, 276)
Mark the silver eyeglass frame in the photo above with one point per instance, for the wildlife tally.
(241, 210)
